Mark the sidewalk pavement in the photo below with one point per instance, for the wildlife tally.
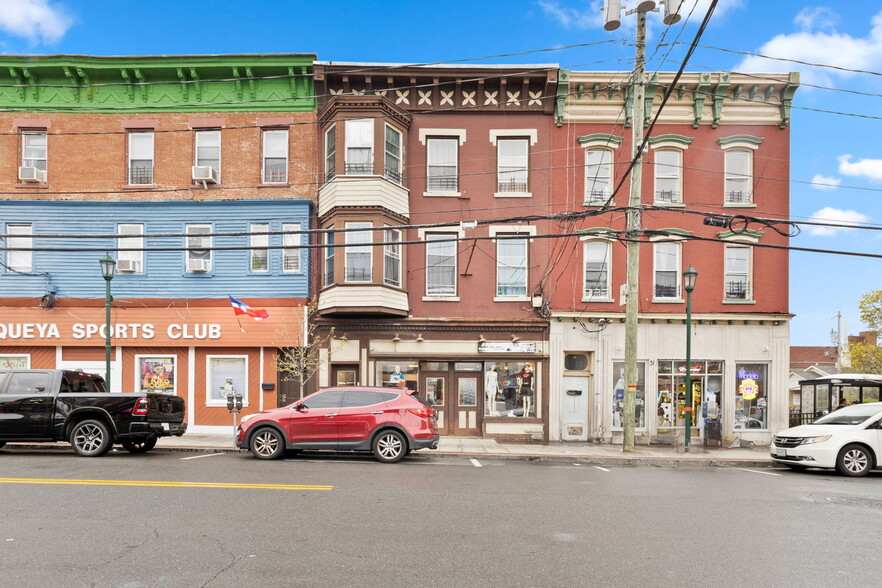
(589, 453)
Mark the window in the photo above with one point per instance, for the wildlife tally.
(510, 389)
(141, 158)
(738, 176)
(227, 375)
(208, 150)
(667, 176)
(330, 153)
(198, 252)
(706, 380)
(259, 248)
(156, 374)
(667, 270)
(738, 272)
(20, 237)
(512, 165)
(397, 375)
(11, 362)
(329, 258)
(358, 257)
(393, 155)
(751, 400)
(598, 175)
(618, 404)
(442, 174)
(131, 238)
(275, 156)
(441, 264)
(359, 146)
(29, 383)
(33, 150)
(597, 258)
(325, 400)
(291, 252)
(511, 267)
(392, 258)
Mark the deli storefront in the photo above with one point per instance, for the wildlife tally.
(200, 353)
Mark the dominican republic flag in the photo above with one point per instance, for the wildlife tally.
(241, 308)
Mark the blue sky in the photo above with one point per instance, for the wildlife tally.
(836, 156)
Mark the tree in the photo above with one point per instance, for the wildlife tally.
(866, 356)
(301, 361)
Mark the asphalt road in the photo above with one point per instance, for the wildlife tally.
(198, 519)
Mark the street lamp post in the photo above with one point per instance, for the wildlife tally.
(689, 277)
(108, 269)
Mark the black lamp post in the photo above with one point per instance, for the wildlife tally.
(108, 269)
(689, 277)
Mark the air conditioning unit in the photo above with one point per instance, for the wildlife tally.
(31, 174)
(204, 173)
(128, 265)
(198, 265)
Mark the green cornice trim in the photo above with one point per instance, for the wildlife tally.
(679, 139)
(748, 233)
(750, 139)
(563, 90)
(674, 232)
(598, 232)
(158, 83)
(600, 137)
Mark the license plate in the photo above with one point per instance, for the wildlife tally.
(780, 452)
(165, 427)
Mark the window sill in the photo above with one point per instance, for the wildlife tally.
(442, 194)
(512, 194)
(667, 301)
(440, 298)
(739, 205)
(32, 186)
(739, 301)
(274, 185)
(139, 187)
(595, 299)
(670, 204)
(511, 299)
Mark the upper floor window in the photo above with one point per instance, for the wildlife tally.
(259, 248)
(131, 238)
(330, 153)
(738, 272)
(291, 251)
(512, 164)
(359, 252)
(667, 270)
(198, 248)
(597, 264)
(442, 173)
(20, 237)
(141, 158)
(275, 156)
(739, 176)
(392, 165)
(208, 151)
(392, 258)
(33, 156)
(329, 258)
(441, 264)
(668, 180)
(511, 266)
(598, 175)
(359, 146)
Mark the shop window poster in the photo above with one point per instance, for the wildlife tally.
(157, 374)
(13, 362)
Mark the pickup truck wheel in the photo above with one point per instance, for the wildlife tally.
(267, 443)
(140, 445)
(91, 438)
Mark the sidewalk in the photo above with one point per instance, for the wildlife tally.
(590, 453)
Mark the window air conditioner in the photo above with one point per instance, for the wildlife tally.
(31, 174)
(204, 173)
(128, 265)
(198, 265)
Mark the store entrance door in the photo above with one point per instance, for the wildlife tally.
(455, 399)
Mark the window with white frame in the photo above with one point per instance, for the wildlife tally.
(738, 272)
(259, 252)
(20, 237)
(131, 239)
(392, 258)
(33, 150)
(208, 150)
(141, 158)
(275, 156)
(511, 265)
(329, 257)
(12, 362)
(392, 167)
(666, 281)
(597, 263)
(198, 248)
(330, 153)
(441, 264)
(739, 176)
(512, 164)
(598, 175)
(291, 252)
(227, 374)
(359, 146)
(359, 252)
(442, 174)
(668, 169)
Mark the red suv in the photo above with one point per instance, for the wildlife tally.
(388, 422)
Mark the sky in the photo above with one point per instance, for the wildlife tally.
(836, 158)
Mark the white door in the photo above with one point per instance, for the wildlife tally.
(574, 408)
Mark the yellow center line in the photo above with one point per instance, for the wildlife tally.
(162, 484)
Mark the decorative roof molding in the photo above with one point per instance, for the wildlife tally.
(670, 140)
(600, 140)
(747, 235)
(743, 141)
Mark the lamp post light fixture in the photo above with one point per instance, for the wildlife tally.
(108, 269)
(689, 277)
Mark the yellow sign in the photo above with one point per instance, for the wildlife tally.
(748, 389)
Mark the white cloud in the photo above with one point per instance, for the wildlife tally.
(818, 17)
(836, 216)
(35, 20)
(864, 168)
(820, 182)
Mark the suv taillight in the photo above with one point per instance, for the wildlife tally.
(423, 413)
(140, 406)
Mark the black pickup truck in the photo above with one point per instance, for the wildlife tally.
(63, 405)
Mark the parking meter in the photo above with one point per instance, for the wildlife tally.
(234, 402)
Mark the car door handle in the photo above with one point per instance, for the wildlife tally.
(328, 416)
(377, 412)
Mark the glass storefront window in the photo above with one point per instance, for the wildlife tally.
(227, 375)
(435, 391)
(707, 387)
(618, 404)
(751, 400)
(509, 389)
(398, 374)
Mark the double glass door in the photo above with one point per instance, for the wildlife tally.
(454, 395)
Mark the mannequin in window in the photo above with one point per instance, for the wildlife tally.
(397, 377)
(491, 389)
(526, 385)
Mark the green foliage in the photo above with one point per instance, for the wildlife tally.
(865, 358)
(870, 306)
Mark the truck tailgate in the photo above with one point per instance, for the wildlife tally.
(163, 408)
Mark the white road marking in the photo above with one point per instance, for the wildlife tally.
(601, 469)
(476, 463)
(205, 455)
(758, 472)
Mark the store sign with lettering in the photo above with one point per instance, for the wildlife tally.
(118, 331)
